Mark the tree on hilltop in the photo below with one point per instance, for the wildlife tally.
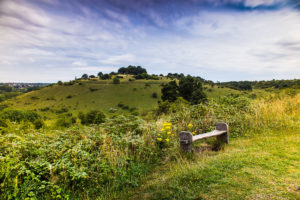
(132, 70)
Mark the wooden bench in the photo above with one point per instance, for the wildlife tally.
(187, 138)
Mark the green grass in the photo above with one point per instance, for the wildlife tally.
(265, 166)
(101, 95)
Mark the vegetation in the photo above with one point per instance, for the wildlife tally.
(132, 70)
(90, 139)
(190, 88)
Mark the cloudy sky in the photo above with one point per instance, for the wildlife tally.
(219, 40)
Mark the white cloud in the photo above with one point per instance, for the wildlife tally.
(95, 69)
(79, 63)
(119, 59)
(242, 45)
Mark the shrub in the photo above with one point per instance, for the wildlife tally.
(3, 123)
(34, 98)
(92, 117)
(120, 105)
(69, 97)
(116, 80)
(154, 95)
(44, 109)
(65, 121)
(38, 123)
(93, 89)
(18, 115)
(62, 110)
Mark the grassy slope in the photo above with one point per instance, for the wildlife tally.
(106, 96)
(261, 167)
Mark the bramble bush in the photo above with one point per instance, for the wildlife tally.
(91, 117)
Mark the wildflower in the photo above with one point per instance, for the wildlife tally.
(158, 134)
(167, 139)
(159, 139)
(193, 133)
(169, 133)
(190, 125)
(167, 127)
(162, 129)
(173, 134)
(167, 124)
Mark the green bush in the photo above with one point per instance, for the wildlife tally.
(65, 121)
(19, 115)
(92, 117)
(154, 95)
(38, 123)
(116, 80)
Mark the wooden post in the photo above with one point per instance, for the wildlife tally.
(224, 138)
(186, 141)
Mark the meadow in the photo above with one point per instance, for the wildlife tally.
(136, 155)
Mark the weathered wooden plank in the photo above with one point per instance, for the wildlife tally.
(209, 134)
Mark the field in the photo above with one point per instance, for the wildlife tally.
(134, 157)
(96, 94)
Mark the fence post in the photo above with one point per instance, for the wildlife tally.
(224, 138)
(186, 141)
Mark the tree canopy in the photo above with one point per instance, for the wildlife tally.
(190, 88)
(133, 70)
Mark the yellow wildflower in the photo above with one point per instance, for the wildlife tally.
(167, 139)
(158, 134)
(169, 133)
(167, 127)
(190, 125)
(167, 124)
(162, 129)
(159, 139)
(173, 134)
(193, 133)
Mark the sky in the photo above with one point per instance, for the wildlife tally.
(219, 40)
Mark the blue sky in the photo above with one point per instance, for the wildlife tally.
(219, 40)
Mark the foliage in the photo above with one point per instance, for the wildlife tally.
(116, 80)
(170, 91)
(65, 120)
(165, 135)
(85, 76)
(190, 88)
(38, 123)
(19, 115)
(90, 162)
(154, 95)
(105, 76)
(92, 117)
(133, 70)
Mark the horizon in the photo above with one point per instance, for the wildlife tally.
(44, 41)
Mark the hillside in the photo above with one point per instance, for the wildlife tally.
(95, 94)
(92, 94)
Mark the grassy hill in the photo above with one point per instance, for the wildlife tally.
(95, 94)
(92, 94)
